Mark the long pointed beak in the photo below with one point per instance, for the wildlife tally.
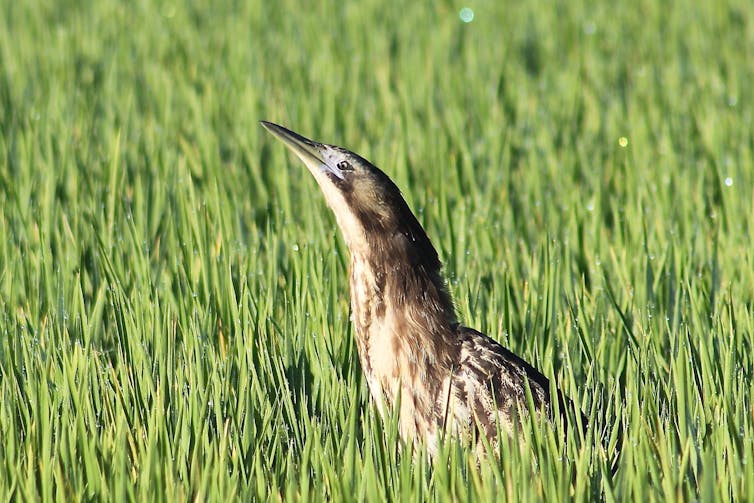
(307, 150)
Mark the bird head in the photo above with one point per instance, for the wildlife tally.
(367, 204)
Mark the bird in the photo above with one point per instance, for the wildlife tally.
(419, 361)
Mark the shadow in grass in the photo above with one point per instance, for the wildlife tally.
(300, 379)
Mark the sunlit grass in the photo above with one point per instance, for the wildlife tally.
(173, 290)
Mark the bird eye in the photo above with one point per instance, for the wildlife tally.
(345, 166)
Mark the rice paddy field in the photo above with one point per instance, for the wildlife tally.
(174, 306)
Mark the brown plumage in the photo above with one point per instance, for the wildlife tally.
(412, 349)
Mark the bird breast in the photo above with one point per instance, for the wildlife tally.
(396, 365)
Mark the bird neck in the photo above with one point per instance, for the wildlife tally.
(398, 280)
(404, 325)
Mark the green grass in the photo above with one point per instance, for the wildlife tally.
(173, 289)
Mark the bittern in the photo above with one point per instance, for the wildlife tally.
(414, 353)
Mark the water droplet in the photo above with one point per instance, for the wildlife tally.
(728, 181)
(466, 15)
(295, 247)
(623, 141)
